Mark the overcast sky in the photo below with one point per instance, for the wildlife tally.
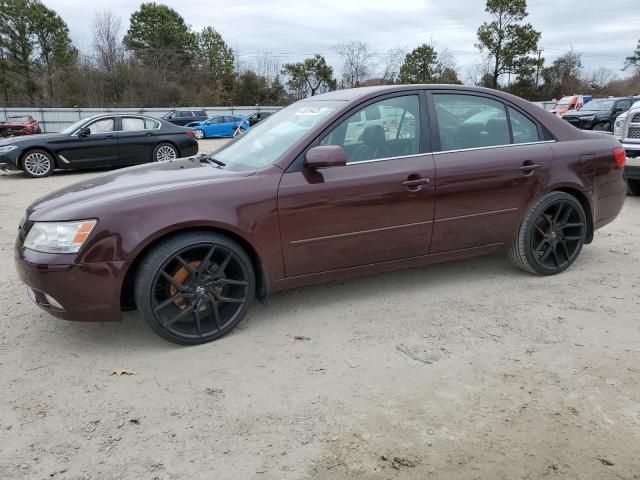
(604, 31)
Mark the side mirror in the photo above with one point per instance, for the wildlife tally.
(324, 156)
(84, 132)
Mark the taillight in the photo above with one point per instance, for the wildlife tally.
(191, 133)
(619, 156)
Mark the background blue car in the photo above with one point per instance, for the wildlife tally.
(220, 126)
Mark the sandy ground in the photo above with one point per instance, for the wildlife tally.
(519, 377)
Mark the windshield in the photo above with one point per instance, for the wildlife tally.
(74, 126)
(598, 105)
(268, 140)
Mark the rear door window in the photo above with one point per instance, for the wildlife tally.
(150, 124)
(132, 124)
(468, 121)
(524, 130)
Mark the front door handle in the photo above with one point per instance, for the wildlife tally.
(416, 182)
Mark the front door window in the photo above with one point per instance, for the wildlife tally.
(385, 129)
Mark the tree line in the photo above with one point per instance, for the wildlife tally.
(160, 60)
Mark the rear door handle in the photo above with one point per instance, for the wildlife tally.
(529, 167)
(416, 182)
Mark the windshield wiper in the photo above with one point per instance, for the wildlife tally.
(206, 157)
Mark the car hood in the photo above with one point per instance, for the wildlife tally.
(46, 137)
(584, 113)
(16, 124)
(91, 196)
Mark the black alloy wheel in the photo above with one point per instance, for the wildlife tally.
(195, 287)
(551, 236)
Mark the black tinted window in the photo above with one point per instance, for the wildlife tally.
(624, 105)
(200, 113)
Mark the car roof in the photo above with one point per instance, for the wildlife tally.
(362, 93)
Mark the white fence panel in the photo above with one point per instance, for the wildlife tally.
(55, 119)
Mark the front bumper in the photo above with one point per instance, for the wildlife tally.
(82, 292)
(579, 122)
(9, 161)
(632, 163)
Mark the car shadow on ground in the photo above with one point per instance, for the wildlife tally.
(133, 332)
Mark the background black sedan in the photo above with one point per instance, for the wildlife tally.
(98, 141)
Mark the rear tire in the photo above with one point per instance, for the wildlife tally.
(37, 164)
(551, 235)
(195, 287)
(199, 134)
(633, 187)
(164, 152)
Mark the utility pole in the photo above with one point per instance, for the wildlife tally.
(538, 66)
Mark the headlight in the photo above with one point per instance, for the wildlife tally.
(58, 237)
(7, 148)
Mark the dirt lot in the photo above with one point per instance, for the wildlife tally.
(516, 377)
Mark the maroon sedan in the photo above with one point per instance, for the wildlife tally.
(334, 186)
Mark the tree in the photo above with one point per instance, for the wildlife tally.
(633, 61)
(422, 65)
(597, 81)
(391, 64)
(214, 55)
(159, 37)
(18, 47)
(309, 77)
(56, 52)
(507, 41)
(35, 45)
(109, 51)
(356, 62)
(563, 76)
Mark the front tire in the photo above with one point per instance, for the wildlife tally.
(602, 127)
(37, 164)
(195, 287)
(164, 152)
(551, 235)
(633, 187)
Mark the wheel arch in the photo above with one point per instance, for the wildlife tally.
(573, 190)
(127, 299)
(586, 206)
(37, 147)
(170, 142)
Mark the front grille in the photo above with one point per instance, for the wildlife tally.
(636, 118)
(634, 132)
